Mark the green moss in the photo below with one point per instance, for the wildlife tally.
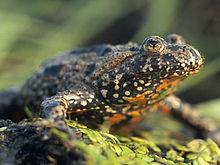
(104, 148)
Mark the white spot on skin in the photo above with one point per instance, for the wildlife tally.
(147, 84)
(116, 95)
(108, 110)
(118, 76)
(83, 103)
(107, 106)
(135, 84)
(120, 101)
(71, 101)
(81, 95)
(75, 97)
(91, 96)
(104, 93)
(166, 75)
(126, 108)
(155, 84)
(116, 87)
(116, 81)
(175, 74)
(127, 93)
(90, 100)
(141, 81)
(70, 97)
(125, 84)
(139, 88)
(183, 64)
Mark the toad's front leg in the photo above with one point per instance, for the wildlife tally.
(55, 107)
(78, 99)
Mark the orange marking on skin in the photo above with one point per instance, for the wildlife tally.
(165, 109)
(115, 119)
(156, 106)
(138, 110)
(136, 119)
(138, 98)
(194, 72)
(123, 129)
(69, 112)
(168, 83)
(134, 113)
(143, 109)
(77, 111)
(155, 96)
(129, 127)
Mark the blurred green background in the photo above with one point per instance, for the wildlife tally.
(32, 31)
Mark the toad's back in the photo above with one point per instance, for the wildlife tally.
(64, 72)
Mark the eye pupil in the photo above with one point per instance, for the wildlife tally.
(153, 43)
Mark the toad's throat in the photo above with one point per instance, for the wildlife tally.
(148, 97)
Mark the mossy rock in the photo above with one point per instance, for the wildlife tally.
(45, 142)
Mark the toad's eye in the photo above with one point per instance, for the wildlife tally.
(153, 44)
